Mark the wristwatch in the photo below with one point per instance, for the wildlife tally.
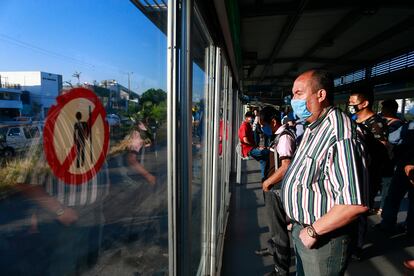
(59, 212)
(312, 232)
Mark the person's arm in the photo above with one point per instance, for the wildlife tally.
(247, 142)
(277, 176)
(409, 171)
(244, 130)
(337, 217)
(285, 148)
(64, 215)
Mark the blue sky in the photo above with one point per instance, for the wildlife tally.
(100, 39)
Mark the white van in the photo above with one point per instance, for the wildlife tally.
(15, 138)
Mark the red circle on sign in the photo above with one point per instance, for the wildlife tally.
(61, 170)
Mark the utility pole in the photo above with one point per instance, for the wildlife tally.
(129, 89)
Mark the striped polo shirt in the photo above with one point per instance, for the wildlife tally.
(328, 169)
(84, 194)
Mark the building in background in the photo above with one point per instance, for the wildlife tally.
(121, 98)
(40, 90)
(10, 101)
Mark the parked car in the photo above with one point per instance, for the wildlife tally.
(126, 121)
(14, 138)
(113, 120)
(23, 119)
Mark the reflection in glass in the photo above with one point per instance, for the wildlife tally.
(116, 222)
(200, 58)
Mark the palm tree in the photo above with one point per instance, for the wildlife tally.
(77, 75)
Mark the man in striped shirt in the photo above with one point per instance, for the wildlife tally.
(69, 218)
(323, 187)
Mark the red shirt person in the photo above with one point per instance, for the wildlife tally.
(249, 147)
(246, 134)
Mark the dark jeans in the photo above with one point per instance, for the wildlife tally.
(331, 254)
(385, 186)
(279, 243)
(400, 185)
(68, 249)
(362, 230)
(20, 253)
(261, 155)
(256, 136)
(266, 140)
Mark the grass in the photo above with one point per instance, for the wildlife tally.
(18, 169)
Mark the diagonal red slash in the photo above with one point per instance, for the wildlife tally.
(72, 153)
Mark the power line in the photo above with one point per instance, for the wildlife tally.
(26, 45)
(100, 67)
(20, 43)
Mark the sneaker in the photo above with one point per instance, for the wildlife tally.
(263, 252)
(276, 272)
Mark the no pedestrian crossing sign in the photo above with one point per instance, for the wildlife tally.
(76, 136)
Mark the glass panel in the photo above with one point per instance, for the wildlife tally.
(200, 61)
(228, 137)
(220, 174)
(409, 106)
(66, 208)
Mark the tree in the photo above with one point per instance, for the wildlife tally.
(159, 112)
(154, 96)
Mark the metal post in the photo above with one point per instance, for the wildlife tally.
(215, 164)
(229, 143)
(238, 175)
(238, 158)
(209, 155)
(185, 140)
(129, 90)
(171, 119)
(179, 98)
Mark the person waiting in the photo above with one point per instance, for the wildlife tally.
(248, 145)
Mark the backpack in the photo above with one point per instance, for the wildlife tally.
(379, 161)
(274, 162)
(403, 138)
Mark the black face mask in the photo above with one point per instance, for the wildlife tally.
(353, 109)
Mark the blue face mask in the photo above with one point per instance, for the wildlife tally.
(354, 117)
(300, 109)
(267, 130)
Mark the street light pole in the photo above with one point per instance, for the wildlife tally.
(129, 89)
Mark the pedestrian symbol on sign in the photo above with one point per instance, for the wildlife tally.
(72, 125)
(80, 135)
